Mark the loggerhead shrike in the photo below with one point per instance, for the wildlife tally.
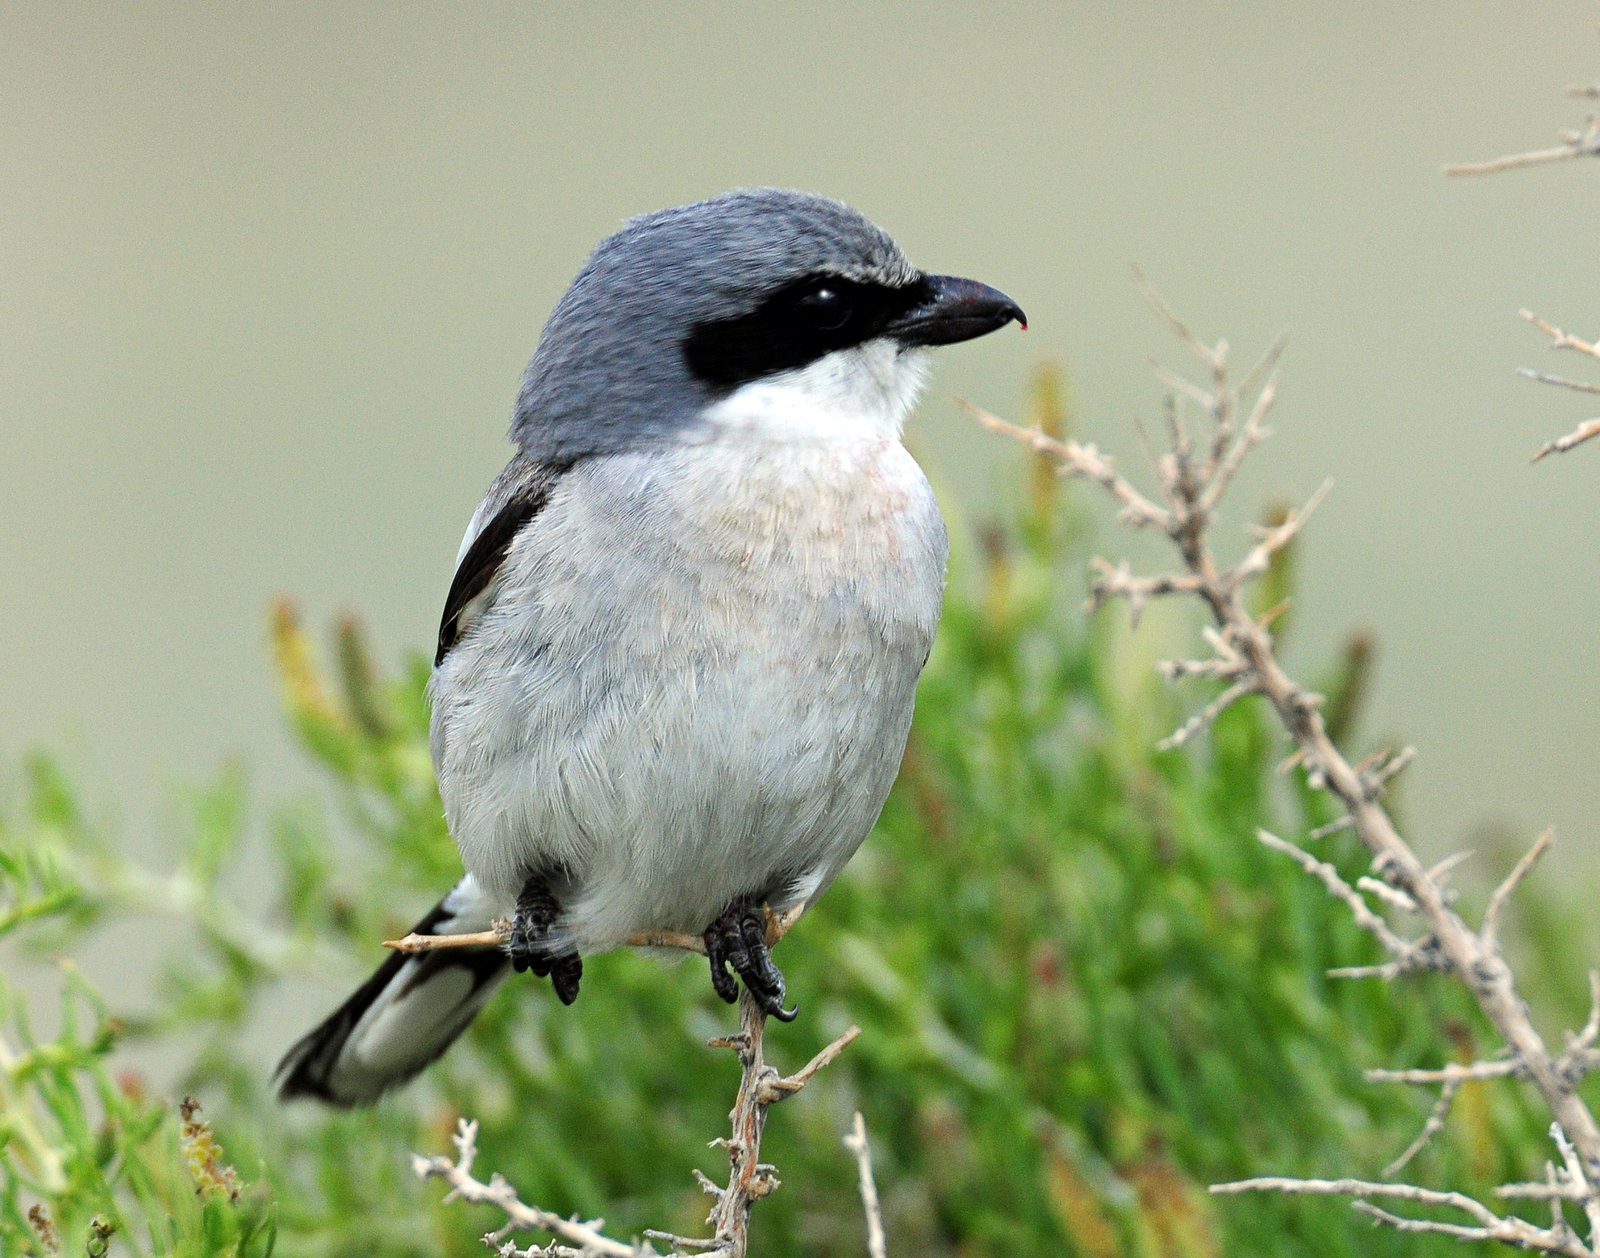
(676, 665)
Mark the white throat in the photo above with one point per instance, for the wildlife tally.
(865, 391)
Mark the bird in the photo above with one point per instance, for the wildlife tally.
(676, 665)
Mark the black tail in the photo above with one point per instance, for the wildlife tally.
(403, 1017)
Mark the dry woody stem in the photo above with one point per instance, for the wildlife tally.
(1193, 475)
(750, 1179)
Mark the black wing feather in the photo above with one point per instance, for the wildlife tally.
(483, 559)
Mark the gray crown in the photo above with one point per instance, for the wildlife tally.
(609, 372)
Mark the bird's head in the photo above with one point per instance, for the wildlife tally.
(764, 298)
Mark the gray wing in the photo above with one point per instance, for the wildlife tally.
(414, 1007)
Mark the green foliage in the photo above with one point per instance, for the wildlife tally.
(1086, 991)
(88, 1161)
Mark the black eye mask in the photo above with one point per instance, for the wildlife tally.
(796, 325)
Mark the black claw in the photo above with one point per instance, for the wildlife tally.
(723, 983)
(766, 974)
(739, 939)
(565, 971)
(531, 929)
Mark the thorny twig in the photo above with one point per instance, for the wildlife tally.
(1193, 476)
(1561, 339)
(584, 1238)
(749, 1179)
(1584, 143)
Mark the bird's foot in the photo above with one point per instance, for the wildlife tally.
(528, 948)
(739, 939)
(565, 971)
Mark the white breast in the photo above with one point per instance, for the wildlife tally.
(694, 680)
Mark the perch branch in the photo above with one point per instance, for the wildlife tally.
(749, 1179)
(778, 925)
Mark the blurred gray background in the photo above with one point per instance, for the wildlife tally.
(269, 274)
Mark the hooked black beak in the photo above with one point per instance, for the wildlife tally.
(954, 310)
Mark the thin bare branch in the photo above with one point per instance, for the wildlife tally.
(1454, 1072)
(1556, 1239)
(1215, 359)
(1254, 432)
(434, 943)
(1206, 400)
(1207, 716)
(1489, 1226)
(1083, 461)
(856, 1142)
(1538, 1192)
(1423, 955)
(1585, 143)
(1331, 828)
(1392, 896)
(1580, 1177)
(1430, 1128)
(1440, 872)
(1275, 539)
(1118, 581)
(1563, 382)
(1216, 668)
(1559, 338)
(1265, 366)
(1585, 431)
(779, 1087)
(1591, 1029)
(1360, 1188)
(1337, 887)
(1497, 902)
(1387, 769)
(584, 1239)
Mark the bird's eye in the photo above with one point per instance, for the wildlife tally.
(826, 309)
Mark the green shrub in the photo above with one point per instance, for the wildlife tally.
(1086, 991)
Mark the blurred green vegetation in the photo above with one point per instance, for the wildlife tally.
(1086, 991)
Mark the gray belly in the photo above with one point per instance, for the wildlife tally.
(693, 681)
